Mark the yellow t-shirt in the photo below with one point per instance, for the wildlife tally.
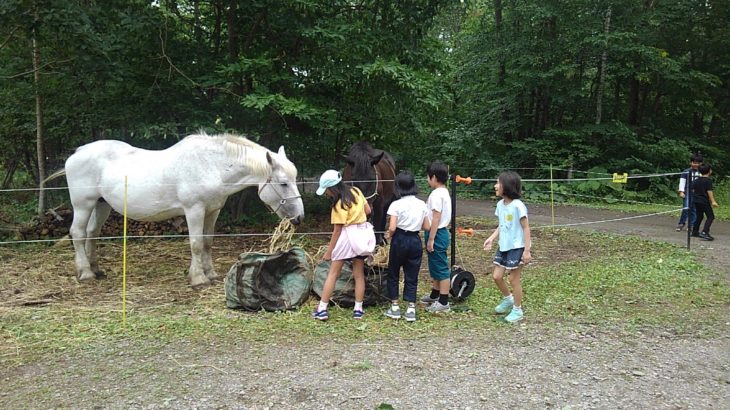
(354, 215)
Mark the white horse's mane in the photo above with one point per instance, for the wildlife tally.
(240, 147)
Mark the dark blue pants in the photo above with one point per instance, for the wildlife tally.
(405, 252)
(692, 213)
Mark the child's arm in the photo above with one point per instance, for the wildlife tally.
(526, 255)
(367, 208)
(426, 225)
(682, 183)
(492, 237)
(335, 236)
(432, 230)
(712, 199)
(392, 224)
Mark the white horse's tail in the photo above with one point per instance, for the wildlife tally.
(55, 175)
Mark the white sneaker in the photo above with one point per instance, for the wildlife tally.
(393, 312)
(437, 307)
(410, 314)
(427, 299)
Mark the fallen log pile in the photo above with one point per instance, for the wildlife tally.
(55, 223)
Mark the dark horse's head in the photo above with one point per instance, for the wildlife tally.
(362, 162)
(372, 171)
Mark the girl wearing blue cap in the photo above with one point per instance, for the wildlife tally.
(352, 239)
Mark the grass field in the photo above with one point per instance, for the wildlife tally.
(576, 277)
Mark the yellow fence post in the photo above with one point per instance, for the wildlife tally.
(124, 259)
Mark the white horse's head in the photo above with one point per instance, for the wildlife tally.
(280, 192)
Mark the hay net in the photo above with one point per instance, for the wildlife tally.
(279, 278)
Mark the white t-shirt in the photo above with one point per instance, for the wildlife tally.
(440, 201)
(409, 212)
(511, 234)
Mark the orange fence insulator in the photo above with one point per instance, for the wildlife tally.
(465, 231)
(460, 179)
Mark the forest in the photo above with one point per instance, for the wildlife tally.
(616, 85)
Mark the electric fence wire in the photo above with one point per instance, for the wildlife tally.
(328, 233)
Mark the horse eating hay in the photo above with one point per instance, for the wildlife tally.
(193, 178)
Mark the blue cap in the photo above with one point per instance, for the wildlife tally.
(328, 179)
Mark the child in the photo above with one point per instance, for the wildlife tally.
(352, 239)
(703, 199)
(437, 239)
(694, 163)
(407, 218)
(514, 243)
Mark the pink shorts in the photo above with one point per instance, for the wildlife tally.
(355, 240)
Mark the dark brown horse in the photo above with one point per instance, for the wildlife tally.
(373, 171)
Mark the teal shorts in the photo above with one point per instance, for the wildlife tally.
(438, 262)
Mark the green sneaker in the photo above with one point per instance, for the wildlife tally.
(505, 305)
(515, 315)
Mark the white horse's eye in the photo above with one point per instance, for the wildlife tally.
(283, 201)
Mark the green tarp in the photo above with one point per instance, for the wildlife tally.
(344, 295)
(273, 282)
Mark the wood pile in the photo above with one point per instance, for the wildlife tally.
(55, 223)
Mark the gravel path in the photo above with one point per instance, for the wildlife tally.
(529, 366)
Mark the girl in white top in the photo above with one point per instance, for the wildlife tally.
(407, 217)
(514, 238)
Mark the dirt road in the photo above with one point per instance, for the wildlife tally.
(716, 254)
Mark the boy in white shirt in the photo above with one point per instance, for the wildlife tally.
(438, 239)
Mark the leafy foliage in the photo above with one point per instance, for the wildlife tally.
(483, 85)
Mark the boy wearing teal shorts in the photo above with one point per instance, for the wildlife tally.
(438, 238)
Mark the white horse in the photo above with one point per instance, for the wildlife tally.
(192, 178)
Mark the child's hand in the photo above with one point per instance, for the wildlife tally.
(327, 255)
(715, 205)
(526, 257)
(429, 245)
(488, 244)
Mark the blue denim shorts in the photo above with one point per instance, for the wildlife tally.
(510, 259)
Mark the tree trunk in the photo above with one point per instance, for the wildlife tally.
(616, 100)
(604, 59)
(501, 72)
(197, 32)
(231, 22)
(39, 121)
(10, 167)
(634, 101)
(217, 27)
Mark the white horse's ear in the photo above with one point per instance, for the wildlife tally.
(281, 151)
(268, 158)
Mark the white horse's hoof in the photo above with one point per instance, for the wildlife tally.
(86, 276)
(212, 276)
(200, 283)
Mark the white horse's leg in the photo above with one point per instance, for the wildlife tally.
(82, 212)
(209, 230)
(98, 216)
(195, 218)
